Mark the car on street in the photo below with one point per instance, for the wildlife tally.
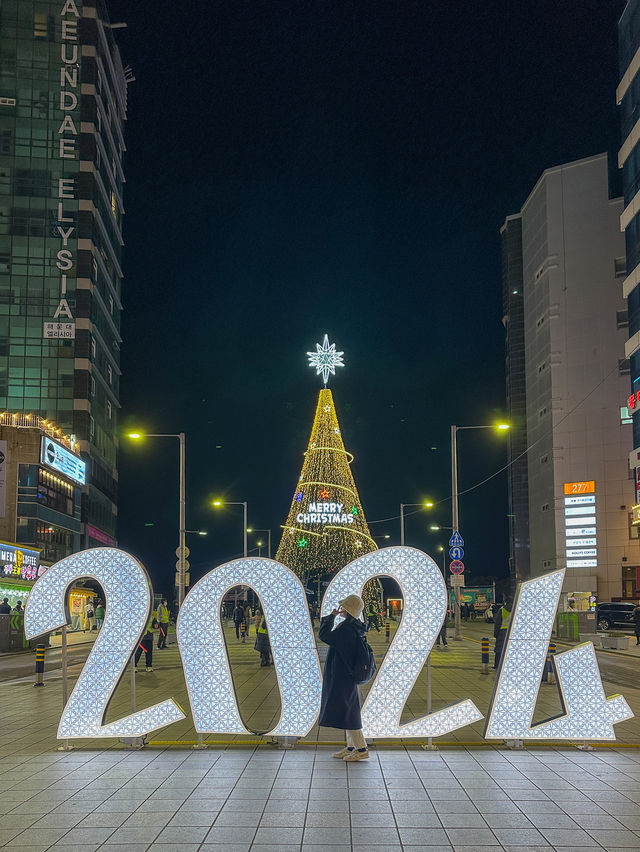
(618, 614)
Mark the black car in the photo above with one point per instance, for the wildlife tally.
(614, 615)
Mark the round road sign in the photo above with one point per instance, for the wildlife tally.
(456, 567)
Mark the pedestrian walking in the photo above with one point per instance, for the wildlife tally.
(442, 636)
(340, 703)
(5, 608)
(500, 628)
(238, 618)
(262, 643)
(372, 617)
(18, 607)
(257, 619)
(89, 616)
(146, 645)
(636, 621)
(99, 614)
(163, 624)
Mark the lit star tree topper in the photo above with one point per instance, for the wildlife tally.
(325, 359)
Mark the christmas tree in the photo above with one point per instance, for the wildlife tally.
(326, 527)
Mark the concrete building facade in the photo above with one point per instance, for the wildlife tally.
(572, 331)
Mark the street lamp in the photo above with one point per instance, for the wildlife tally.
(426, 504)
(268, 532)
(197, 532)
(501, 427)
(182, 557)
(219, 503)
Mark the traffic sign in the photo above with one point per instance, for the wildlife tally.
(186, 551)
(456, 540)
(186, 565)
(457, 580)
(456, 552)
(456, 567)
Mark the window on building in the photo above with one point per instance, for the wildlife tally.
(620, 266)
(544, 459)
(93, 348)
(542, 412)
(546, 563)
(109, 374)
(109, 410)
(111, 305)
(43, 26)
(92, 427)
(545, 507)
(624, 368)
(93, 386)
(622, 319)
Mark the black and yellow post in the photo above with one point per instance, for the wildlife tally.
(387, 630)
(243, 632)
(484, 654)
(39, 666)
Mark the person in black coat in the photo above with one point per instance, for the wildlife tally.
(340, 704)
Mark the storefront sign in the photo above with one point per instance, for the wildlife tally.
(59, 458)
(587, 713)
(100, 536)
(23, 562)
(580, 509)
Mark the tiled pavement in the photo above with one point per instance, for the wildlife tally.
(263, 800)
(236, 798)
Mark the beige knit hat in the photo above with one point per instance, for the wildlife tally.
(353, 605)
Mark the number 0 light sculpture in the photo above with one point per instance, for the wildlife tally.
(588, 714)
(425, 607)
(204, 655)
(127, 593)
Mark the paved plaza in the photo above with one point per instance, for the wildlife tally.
(243, 793)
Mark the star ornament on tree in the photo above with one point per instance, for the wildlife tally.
(325, 359)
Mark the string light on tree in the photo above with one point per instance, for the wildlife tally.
(326, 527)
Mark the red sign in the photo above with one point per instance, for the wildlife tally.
(633, 402)
(456, 566)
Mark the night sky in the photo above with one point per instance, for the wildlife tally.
(296, 168)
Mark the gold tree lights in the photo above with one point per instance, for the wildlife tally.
(326, 527)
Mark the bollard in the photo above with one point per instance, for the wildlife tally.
(552, 651)
(243, 632)
(39, 666)
(484, 654)
(387, 630)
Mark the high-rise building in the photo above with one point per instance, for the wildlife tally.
(63, 100)
(513, 321)
(628, 98)
(566, 320)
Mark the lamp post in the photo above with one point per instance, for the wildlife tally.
(268, 532)
(182, 557)
(454, 501)
(243, 503)
(427, 504)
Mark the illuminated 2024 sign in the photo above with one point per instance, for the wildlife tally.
(588, 714)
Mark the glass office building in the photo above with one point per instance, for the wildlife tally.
(63, 104)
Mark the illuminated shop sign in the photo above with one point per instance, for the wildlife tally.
(57, 457)
(579, 509)
(326, 513)
(20, 562)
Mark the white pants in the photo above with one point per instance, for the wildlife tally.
(355, 739)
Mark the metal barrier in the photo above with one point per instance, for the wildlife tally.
(387, 630)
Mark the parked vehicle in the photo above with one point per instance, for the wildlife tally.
(614, 615)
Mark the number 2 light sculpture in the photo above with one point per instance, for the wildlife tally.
(128, 608)
(587, 713)
(425, 607)
(204, 654)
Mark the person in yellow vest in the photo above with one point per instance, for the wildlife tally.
(500, 629)
(262, 644)
(146, 644)
(163, 619)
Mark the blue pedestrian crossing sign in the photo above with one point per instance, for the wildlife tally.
(456, 540)
(456, 552)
